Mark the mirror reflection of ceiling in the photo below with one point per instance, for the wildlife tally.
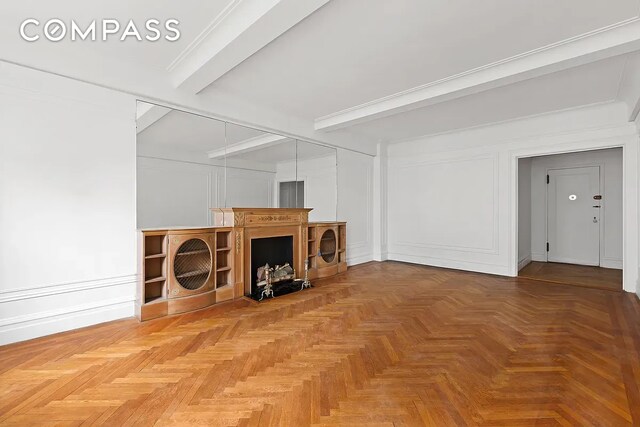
(287, 150)
(191, 132)
(179, 131)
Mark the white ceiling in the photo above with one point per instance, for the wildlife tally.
(589, 84)
(349, 73)
(351, 52)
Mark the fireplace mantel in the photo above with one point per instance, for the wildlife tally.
(259, 217)
(255, 223)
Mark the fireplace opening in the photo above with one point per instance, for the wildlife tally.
(270, 250)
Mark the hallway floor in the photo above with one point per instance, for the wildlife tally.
(574, 275)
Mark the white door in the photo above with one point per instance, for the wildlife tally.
(573, 216)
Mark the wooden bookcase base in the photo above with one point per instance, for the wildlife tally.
(164, 263)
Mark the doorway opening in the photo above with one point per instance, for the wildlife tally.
(291, 194)
(570, 212)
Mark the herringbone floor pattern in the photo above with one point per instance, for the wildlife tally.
(384, 344)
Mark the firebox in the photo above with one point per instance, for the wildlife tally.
(270, 250)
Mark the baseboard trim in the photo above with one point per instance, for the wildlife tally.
(524, 262)
(611, 263)
(361, 259)
(34, 325)
(452, 264)
(380, 257)
(539, 257)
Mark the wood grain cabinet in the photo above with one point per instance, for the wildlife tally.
(326, 248)
(183, 270)
(186, 269)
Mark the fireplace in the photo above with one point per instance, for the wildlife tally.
(270, 250)
(255, 224)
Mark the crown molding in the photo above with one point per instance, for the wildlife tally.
(204, 35)
(615, 39)
(243, 28)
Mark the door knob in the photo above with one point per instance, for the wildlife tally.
(595, 219)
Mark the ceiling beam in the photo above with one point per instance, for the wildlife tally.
(242, 29)
(617, 39)
(148, 114)
(248, 145)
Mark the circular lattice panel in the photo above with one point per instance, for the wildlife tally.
(192, 264)
(328, 246)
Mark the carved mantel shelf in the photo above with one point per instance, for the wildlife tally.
(259, 217)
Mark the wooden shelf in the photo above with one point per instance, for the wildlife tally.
(155, 256)
(155, 300)
(155, 279)
(224, 261)
(193, 273)
(199, 251)
(223, 239)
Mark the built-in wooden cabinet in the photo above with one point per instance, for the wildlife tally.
(342, 247)
(187, 269)
(326, 248)
(224, 264)
(184, 270)
(152, 289)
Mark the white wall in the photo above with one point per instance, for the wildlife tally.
(355, 203)
(524, 212)
(452, 197)
(320, 184)
(67, 204)
(610, 162)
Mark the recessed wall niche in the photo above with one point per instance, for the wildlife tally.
(188, 163)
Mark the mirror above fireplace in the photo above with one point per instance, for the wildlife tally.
(188, 163)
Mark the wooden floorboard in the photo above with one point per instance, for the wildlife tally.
(609, 279)
(384, 344)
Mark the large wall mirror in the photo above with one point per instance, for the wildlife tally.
(188, 163)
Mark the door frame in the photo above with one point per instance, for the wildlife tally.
(277, 190)
(623, 136)
(600, 166)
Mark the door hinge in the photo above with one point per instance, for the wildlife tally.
(547, 246)
(547, 179)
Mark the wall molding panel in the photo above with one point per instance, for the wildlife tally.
(592, 128)
(17, 294)
(492, 248)
(355, 204)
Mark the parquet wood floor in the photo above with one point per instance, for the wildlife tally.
(384, 344)
(574, 275)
